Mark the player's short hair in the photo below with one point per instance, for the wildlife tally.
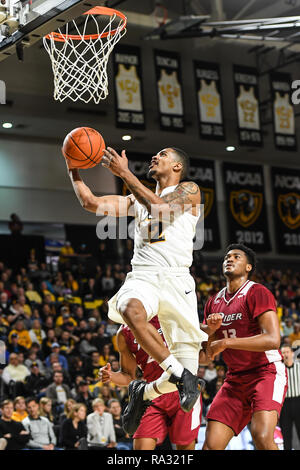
(250, 254)
(183, 158)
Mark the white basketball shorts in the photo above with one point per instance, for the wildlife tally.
(168, 293)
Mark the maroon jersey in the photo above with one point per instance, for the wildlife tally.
(149, 366)
(240, 319)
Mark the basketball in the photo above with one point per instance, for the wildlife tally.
(84, 147)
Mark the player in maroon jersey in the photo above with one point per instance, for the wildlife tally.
(165, 415)
(248, 336)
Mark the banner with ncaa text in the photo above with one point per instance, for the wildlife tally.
(201, 172)
(246, 208)
(247, 105)
(283, 111)
(209, 100)
(129, 109)
(286, 198)
(169, 90)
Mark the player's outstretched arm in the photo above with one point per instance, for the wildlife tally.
(185, 196)
(128, 365)
(114, 205)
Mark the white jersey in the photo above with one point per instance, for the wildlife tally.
(284, 114)
(173, 247)
(209, 103)
(128, 89)
(169, 89)
(248, 109)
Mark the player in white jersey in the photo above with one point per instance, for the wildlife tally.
(160, 282)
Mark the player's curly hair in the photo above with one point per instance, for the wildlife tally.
(251, 255)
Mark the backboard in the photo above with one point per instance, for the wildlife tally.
(24, 22)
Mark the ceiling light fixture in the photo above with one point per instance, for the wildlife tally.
(126, 137)
(7, 125)
(230, 148)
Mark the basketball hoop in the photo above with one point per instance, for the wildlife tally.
(79, 61)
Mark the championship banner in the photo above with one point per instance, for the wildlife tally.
(246, 208)
(286, 193)
(169, 90)
(129, 107)
(247, 105)
(209, 100)
(283, 112)
(201, 172)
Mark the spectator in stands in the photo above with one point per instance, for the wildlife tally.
(59, 392)
(86, 347)
(45, 405)
(32, 295)
(74, 429)
(41, 430)
(124, 441)
(20, 412)
(102, 337)
(48, 341)
(71, 283)
(65, 256)
(14, 433)
(64, 317)
(105, 355)
(23, 334)
(37, 335)
(33, 358)
(75, 389)
(36, 383)
(107, 393)
(287, 327)
(24, 305)
(60, 357)
(67, 343)
(4, 327)
(296, 333)
(210, 372)
(76, 367)
(84, 395)
(294, 312)
(107, 281)
(14, 375)
(92, 368)
(4, 304)
(15, 225)
(13, 345)
(101, 433)
(211, 386)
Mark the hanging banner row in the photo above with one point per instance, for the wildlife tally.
(247, 215)
(130, 111)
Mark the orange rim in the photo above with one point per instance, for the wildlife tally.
(93, 11)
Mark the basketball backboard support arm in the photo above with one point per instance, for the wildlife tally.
(41, 18)
(268, 30)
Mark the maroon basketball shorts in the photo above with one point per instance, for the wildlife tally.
(166, 417)
(242, 394)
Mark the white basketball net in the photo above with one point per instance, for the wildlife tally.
(80, 65)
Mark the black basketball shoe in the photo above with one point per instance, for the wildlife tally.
(189, 388)
(136, 407)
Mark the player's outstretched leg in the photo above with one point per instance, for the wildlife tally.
(136, 407)
(189, 388)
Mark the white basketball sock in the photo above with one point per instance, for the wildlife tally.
(172, 366)
(162, 384)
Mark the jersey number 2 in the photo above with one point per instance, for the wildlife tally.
(155, 232)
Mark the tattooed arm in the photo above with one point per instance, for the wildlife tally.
(185, 197)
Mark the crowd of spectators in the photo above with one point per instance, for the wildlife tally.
(57, 336)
